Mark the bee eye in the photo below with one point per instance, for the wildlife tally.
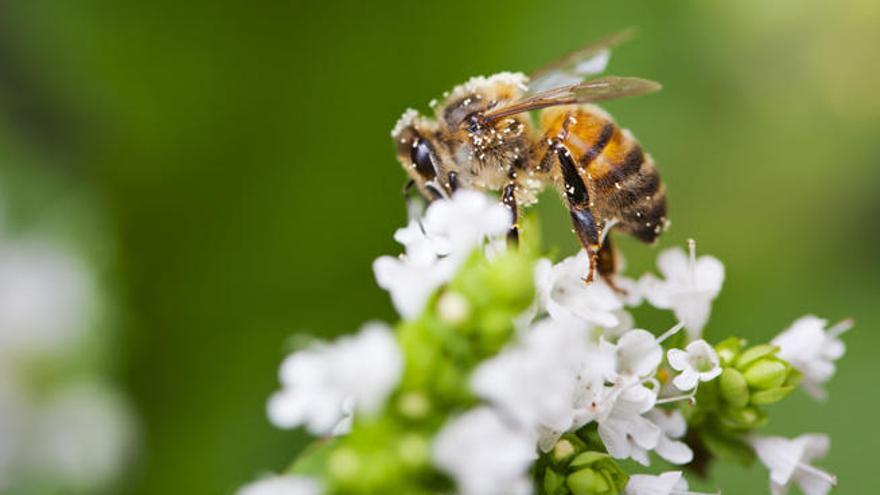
(421, 159)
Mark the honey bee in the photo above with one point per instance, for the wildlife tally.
(482, 137)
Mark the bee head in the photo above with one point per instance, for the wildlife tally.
(414, 138)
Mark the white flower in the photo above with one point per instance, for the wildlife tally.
(812, 350)
(625, 432)
(789, 462)
(83, 433)
(281, 485)
(673, 426)
(45, 299)
(534, 382)
(669, 483)
(326, 382)
(690, 286)
(568, 299)
(485, 455)
(436, 246)
(638, 354)
(697, 363)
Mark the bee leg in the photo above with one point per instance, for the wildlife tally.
(585, 225)
(508, 198)
(452, 182)
(607, 265)
(414, 207)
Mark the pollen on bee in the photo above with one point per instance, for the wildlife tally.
(617, 185)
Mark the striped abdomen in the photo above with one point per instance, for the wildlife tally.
(623, 183)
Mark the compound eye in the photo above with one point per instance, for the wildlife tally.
(421, 159)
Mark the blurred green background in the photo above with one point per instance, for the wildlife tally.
(237, 156)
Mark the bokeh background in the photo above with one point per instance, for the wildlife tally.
(226, 168)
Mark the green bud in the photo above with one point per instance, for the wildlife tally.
(771, 396)
(554, 483)
(414, 404)
(589, 482)
(755, 353)
(745, 418)
(595, 473)
(510, 279)
(344, 464)
(734, 388)
(563, 451)
(728, 349)
(766, 374)
(414, 450)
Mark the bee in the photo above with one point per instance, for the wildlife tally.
(482, 137)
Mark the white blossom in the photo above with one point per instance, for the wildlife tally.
(567, 298)
(698, 362)
(673, 426)
(46, 299)
(436, 245)
(281, 485)
(689, 287)
(626, 433)
(669, 483)
(790, 461)
(485, 455)
(534, 381)
(812, 350)
(323, 384)
(83, 433)
(638, 354)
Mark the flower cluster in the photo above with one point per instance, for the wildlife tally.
(510, 375)
(61, 429)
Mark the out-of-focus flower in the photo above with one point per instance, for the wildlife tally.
(485, 455)
(46, 299)
(281, 485)
(812, 350)
(436, 246)
(324, 383)
(534, 382)
(71, 432)
(698, 362)
(568, 299)
(790, 461)
(83, 434)
(689, 287)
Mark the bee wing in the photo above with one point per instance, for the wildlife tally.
(603, 88)
(578, 65)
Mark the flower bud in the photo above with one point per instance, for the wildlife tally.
(589, 482)
(755, 353)
(595, 473)
(766, 373)
(744, 418)
(734, 388)
(728, 349)
(771, 396)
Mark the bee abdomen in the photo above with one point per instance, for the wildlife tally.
(630, 187)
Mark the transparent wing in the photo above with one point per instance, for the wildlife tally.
(578, 65)
(603, 88)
